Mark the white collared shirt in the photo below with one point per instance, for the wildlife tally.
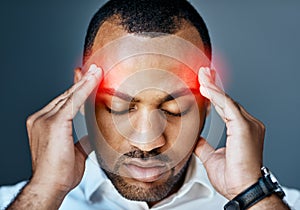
(96, 191)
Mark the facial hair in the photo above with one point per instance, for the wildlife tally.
(156, 191)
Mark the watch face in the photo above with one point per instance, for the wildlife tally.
(267, 173)
(278, 190)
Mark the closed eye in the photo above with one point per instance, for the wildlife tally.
(122, 112)
(180, 114)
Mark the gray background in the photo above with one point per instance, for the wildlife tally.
(258, 41)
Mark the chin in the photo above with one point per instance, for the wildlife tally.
(155, 191)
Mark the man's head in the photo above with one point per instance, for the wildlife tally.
(148, 108)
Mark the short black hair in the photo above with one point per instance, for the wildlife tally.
(143, 16)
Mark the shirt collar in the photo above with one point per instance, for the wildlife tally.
(94, 178)
(197, 174)
(195, 186)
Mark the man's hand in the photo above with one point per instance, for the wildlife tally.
(237, 166)
(57, 164)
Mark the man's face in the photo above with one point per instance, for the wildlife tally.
(148, 116)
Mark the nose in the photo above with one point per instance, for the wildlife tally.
(148, 127)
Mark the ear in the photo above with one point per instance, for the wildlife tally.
(78, 74)
(208, 107)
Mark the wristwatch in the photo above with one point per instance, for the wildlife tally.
(264, 187)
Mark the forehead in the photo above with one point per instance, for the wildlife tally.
(172, 59)
(144, 72)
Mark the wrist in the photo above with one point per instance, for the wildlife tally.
(271, 202)
(36, 197)
(241, 185)
(47, 190)
(265, 187)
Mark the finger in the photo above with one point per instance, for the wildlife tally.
(82, 150)
(204, 150)
(61, 99)
(207, 78)
(84, 146)
(225, 106)
(77, 99)
(255, 122)
(93, 68)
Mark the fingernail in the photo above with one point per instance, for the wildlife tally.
(96, 71)
(201, 71)
(207, 71)
(203, 75)
(93, 68)
(204, 91)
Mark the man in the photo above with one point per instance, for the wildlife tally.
(144, 117)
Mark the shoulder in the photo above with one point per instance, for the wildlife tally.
(8, 193)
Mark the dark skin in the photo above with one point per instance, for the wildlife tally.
(58, 164)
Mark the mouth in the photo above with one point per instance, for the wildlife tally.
(146, 171)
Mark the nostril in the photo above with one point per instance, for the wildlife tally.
(148, 146)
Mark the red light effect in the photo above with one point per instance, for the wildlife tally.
(221, 66)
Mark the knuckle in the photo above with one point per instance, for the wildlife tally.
(237, 105)
(258, 126)
(30, 120)
(67, 92)
(262, 126)
(44, 121)
(38, 123)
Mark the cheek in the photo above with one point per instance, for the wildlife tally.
(181, 164)
(111, 136)
(183, 134)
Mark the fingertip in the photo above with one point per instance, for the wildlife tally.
(204, 92)
(94, 71)
(92, 68)
(201, 69)
(200, 73)
(204, 75)
(100, 71)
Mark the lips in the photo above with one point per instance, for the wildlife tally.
(145, 171)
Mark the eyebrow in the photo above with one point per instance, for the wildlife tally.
(113, 92)
(169, 97)
(180, 93)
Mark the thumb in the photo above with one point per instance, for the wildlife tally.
(204, 150)
(83, 146)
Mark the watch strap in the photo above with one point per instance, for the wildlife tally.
(251, 195)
